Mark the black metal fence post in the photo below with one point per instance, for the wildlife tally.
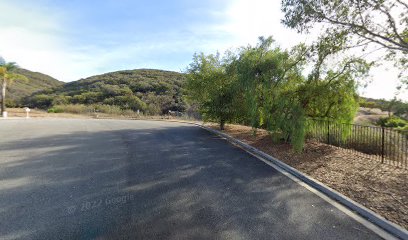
(387, 145)
(382, 144)
(328, 132)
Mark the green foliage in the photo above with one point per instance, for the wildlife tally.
(392, 122)
(7, 76)
(368, 104)
(92, 109)
(280, 97)
(56, 109)
(269, 77)
(363, 139)
(397, 107)
(150, 91)
(403, 130)
(42, 101)
(126, 102)
(360, 24)
(36, 82)
(212, 88)
(72, 108)
(60, 100)
(89, 109)
(265, 86)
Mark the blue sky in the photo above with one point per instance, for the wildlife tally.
(75, 39)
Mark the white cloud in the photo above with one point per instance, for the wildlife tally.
(37, 38)
(40, 38)
(29, 38)
(249, 19)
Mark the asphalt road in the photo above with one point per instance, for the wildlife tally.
(113, 179)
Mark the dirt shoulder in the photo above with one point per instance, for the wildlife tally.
(35, 113)
(379, 187)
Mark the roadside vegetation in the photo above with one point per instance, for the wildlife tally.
(392, 107)
(361, 177)
(277, 89)
(27, 85)
(276, 93)
(8, 75)
(152, 92)
(266, 87)
(270, 97)
(368, 26)
(37, 82)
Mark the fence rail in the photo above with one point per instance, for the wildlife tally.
(385, 144)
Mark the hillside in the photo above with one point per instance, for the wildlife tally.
(369, 116)
(147, 90)
(394, 107)
(37, 82)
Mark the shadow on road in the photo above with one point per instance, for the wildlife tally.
(172, 182)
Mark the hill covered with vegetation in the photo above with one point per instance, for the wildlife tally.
(147, 90)
(18, 90)
(393, 107)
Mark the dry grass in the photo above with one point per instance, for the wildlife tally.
(369, 116)
(379, 187)
(35, 113)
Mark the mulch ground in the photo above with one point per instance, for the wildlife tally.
(379, 187)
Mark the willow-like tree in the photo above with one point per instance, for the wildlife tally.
(270, 77)
(269, 88)
(281, 98)
(7, 76)
(212, 88)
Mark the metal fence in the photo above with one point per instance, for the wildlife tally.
(385, 144)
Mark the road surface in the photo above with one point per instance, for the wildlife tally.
(117, 179)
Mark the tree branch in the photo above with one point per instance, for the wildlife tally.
(402, 46)
(384, 9)
(381, 43)
(403, 3)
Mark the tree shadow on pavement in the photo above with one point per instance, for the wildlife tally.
(174, 182)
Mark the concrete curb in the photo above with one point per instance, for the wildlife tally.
(355, 207)
(366, 213)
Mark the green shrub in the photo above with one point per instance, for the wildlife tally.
(55, 109)
(109, 109)
(403, 131)
(72, 108)
(392, 122)
(88, 109)
(42, 101)
(367, 104)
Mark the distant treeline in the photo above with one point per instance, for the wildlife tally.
(18, 90)
(394, 107)
(149, 91)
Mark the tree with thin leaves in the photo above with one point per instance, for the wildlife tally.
(7, 76)
(381, 24)
(265, 86)
(213, 88)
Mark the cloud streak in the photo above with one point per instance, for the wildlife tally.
(74, 39)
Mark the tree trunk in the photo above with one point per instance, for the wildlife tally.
(3, 96)
(222, 124)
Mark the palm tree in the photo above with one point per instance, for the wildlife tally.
(7, 77)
